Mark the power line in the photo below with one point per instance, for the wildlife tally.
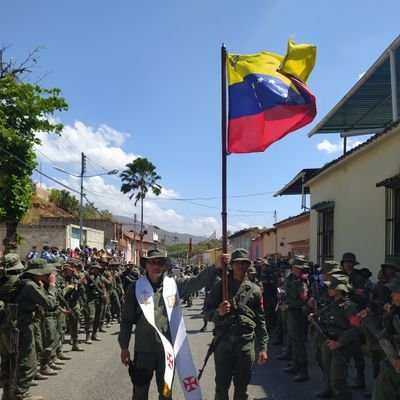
(38, 171)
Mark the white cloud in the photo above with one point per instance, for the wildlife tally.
(332, 148)
(102, 145)
(108, 196)
(329, 147)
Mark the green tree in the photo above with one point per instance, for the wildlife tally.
(139, 176)
(24, 111)
(64, 200)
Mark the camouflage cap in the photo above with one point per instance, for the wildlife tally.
(75, 262)
(299, 262)
(107, 274)
(40, 269)
(251, 270)
(240, 255)
(12, 262)
(340, 282)
(57, 262)
(95, 264)
(36, 261)
(331, 267)
(154, 254)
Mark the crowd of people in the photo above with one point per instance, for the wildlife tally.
(350, 318)
(294, 301)
(56, 294)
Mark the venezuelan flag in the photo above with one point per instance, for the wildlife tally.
(267, 97)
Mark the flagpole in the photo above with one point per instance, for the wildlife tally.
(224, 173)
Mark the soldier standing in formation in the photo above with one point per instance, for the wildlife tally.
(237, 323)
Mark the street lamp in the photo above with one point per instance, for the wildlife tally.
(81, 176)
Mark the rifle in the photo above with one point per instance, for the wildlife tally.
(101, 291)
(281, 295)
(14, 348)
(325, 335)
(386, 344)
(65, 305)
(211, 348)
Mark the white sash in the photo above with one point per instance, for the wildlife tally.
(179, 354)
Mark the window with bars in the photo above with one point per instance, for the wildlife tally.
(325, 235)
(392, 236)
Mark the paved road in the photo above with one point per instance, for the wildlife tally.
(97, 374)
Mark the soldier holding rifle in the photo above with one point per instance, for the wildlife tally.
(387, 384)
(340, 328)
(238, 321)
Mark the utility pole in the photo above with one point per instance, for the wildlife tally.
(83, 170)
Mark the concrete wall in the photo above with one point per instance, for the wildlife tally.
(51, 235)
(290, 232)
(359, 213)
(112, 231)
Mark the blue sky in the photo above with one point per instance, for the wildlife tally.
(143, 79)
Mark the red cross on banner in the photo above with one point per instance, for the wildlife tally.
(190, 383)
(170, 360)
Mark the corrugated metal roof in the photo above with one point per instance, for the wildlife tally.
(368, 105)
(295, 185)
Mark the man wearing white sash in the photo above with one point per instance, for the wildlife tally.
(152, 303)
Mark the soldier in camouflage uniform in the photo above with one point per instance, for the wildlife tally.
(341, 327)
(237, 323)
(73, 292)
(358, 283)
(387, 384)
(30, 295)
(295, 307)
(96, 296)
(11, 267)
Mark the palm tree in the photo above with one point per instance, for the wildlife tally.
(138, 177)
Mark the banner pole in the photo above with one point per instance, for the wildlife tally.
(224, 172)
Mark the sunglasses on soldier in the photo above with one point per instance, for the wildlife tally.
(160, 262)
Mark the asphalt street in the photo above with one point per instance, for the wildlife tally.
(97, 373)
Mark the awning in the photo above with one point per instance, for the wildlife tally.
(367, 107)
(392, 182)
(323, 205)
(295, 185)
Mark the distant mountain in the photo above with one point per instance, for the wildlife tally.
(129, 224)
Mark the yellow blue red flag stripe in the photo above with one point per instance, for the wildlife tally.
(265, 104)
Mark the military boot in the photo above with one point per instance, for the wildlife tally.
(88, 340)
(62, 356)
(302, 374)
(95, 338)
(28, 396)
(47, 371)
(359, 381)
(39, 377)
(75, 347)
(55, 367)
(57, 361)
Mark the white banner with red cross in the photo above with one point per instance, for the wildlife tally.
(178, 355)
